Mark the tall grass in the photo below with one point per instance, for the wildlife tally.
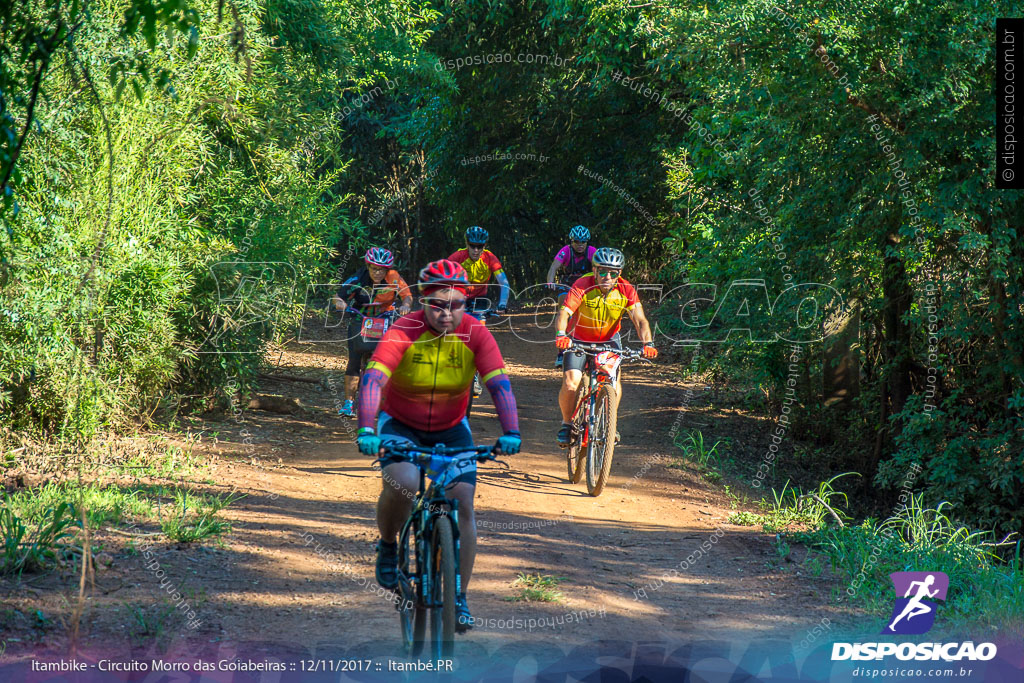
(986, 592)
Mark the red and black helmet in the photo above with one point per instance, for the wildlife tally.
(441, 273)
(375, 256)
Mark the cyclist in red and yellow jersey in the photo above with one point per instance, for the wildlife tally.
(596, 302)
(423, 368)
(481, 264)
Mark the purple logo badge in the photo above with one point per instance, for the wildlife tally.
(913, 614)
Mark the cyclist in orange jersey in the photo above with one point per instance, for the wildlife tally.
(596, 304)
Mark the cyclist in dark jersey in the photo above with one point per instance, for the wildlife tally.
(423, 369)
(371, 291)
(572, 262)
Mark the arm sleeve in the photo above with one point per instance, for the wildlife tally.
(503, 296)
(563, 254)
(371, 386)
(504, 402)
(346, 287)
(403, 288)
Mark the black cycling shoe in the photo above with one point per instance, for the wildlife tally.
(463, 619)
(387, 565)
(564, 435)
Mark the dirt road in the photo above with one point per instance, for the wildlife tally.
(307, 487)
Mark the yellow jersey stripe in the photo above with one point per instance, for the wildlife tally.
(493, 373)
(374, 365)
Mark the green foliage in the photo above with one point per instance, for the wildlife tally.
(103, 505)
(537, 588)
(196, 519)
(694, 449)
(984, 592)
(155, 246)
(36, 548)
(138, 259)
(790, 506)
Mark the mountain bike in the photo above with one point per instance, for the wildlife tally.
(595, 417)
(428, 549)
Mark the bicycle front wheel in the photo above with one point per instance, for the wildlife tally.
(602, 439)
(411, 613)
(442, 593)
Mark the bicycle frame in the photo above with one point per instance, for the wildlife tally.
(597, 379)
(420, 524)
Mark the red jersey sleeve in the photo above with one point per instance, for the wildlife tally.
(628, 291)
(575, 296)
(486, 354)
(492, 261)
(459, 256)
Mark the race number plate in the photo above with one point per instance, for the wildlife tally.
(374, 328)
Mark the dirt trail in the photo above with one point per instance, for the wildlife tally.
(305, 480)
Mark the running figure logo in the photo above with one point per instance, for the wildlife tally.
(913, 614)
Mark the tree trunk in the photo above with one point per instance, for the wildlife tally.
(897, 298)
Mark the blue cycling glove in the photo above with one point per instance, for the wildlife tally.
(509, 443)
(369, 444)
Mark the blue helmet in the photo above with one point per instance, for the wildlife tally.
(476, 235)
(579, 234)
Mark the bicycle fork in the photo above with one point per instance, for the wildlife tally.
(428, 568)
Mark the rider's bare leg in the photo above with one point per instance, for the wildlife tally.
(401, 483)
(567, 394)
(463, 492)
(351, 386)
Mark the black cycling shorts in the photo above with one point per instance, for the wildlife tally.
(359, 350)
(577, 361)
(392, 431)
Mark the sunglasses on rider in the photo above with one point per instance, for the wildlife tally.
(442, 305)
(605, 272)
(475, 246)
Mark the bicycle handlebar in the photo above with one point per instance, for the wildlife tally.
(418, 454)
(485, 313)
(595, 349)
(351, 311)
(439, 449)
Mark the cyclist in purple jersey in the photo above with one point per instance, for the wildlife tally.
(574, 261)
